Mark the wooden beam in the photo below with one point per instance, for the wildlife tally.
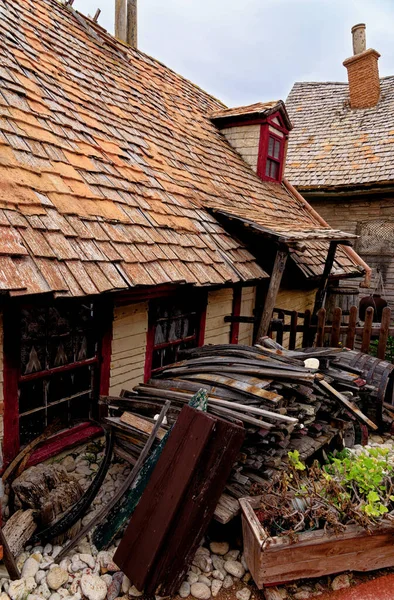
(270, 301)
(321, 293)
(132, 36)
(120, 20)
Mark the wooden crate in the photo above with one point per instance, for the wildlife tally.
(315, 554)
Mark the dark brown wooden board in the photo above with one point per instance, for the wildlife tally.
(150, 523)
(198, 506)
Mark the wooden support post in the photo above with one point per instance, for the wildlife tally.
(351, 334)
(132, 37)
(276, 278)
(8, 558)
(384, 333)
(120, 20)
(234, 329)
(367, 332)
(307, 324)
(97, 14)
(321, 293)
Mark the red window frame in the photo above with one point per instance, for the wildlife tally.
(265, 157)
(12, 377)
(200, 308)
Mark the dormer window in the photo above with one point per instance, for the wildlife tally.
(273, 165)
(259, 133)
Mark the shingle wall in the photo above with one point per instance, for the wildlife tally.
(220, 304)
(128, 346)
(248, 304)
(245, 140)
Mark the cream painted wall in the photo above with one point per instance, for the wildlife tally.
(220, 304)
(248, 303)
(130, 327)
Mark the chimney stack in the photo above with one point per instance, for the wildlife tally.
(126, 21)
(363, 72)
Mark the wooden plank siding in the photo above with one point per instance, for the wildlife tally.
(130, 327)
(295, 299)
(220, 305)
(248, 303)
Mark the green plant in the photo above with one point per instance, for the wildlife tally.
(389, 355)
(294, 460)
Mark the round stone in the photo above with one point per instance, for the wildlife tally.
(184, 590)
(200, 591)
(234, 568)
(220, 548)
(56, 578)
(243, 594)
(204, 579)
(93, 587)
(228, 582)
(216, 574)
(30, 568)
(216, 587)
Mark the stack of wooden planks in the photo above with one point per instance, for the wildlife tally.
(283, 405)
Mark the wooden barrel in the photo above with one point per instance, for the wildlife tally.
(376, 372)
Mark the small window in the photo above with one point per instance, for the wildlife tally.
(274, 158)
(58, 366)
(174, 326)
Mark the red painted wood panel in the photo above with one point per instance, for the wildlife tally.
(161, 499)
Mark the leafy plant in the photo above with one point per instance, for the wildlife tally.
(389, 355)
(294, 460)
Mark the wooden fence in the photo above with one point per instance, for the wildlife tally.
(300, 327)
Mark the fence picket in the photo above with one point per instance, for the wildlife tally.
(351, 334)
(366, 341)
(293, 330)
(306, 336)
(321, 321)
(384, 332)
(336, 326)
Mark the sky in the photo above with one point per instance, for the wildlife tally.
(246, 51)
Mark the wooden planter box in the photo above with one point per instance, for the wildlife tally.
(315, 554)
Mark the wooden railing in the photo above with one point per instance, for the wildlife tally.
(332, 334)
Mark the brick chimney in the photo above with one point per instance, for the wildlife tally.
(363, 71)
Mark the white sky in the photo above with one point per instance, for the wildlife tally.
(250, 50)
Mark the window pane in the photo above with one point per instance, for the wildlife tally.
(31, 395)
(271, 144)
(274, 170)
(268, 168)
(31, 426)
(276, 149)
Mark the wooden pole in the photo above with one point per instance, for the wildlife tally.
(276, 278)
(384, 333)
(132, 24)
(367, 331)
(120, 20)
(321, 293)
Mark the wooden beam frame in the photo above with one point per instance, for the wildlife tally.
(322, 291)
(275, 281)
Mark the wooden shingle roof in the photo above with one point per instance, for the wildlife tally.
(109, 163)
(333, 145)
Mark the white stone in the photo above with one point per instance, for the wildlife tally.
(184, 590)
(243, 594)
(22, 558)
(56, 578)
(200, 591)
(40, 576)
(39, 549)
(56, 550)
(37, 556)
(228, 582)
(43, 590)
(30, 568)
(34, 597)
(63, 593)
(220, 548)
(69, 464)
(17, 589)
(77, 565)
(4, 596)
(216, 574)
(204, 579)
(55, 596)
(195, 570)
(134, 592)
(234, 568)
(47, 563)
(88, 559)
(232, 555)
(275, 593)
(216, 587)
(65, 564)
(125, 584)
(47, 549)
(341, 582)
(93, 587)
(218, 562)
(192, 578)
(203, 562)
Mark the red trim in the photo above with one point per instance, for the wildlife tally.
(106, 350)
(265, 134)
(142, 294)
(11, 368)
(234, 331)
(56, 370)
(257, 121)
(63, 441)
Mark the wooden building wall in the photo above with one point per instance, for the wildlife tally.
(371, 217)
(220, 304)
(130, 327)
(248, 303)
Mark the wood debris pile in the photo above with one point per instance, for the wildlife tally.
(283, 405)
